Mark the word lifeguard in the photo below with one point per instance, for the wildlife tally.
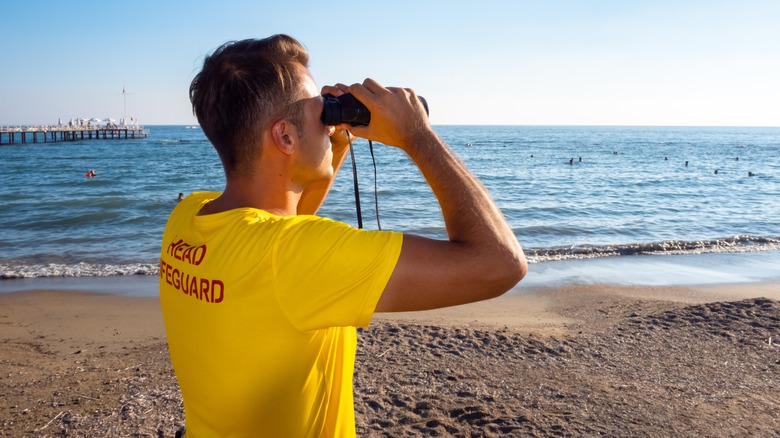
(204, 289)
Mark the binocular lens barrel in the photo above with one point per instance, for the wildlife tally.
(347, 109)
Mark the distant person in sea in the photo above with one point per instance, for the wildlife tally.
(181, 196)
(90, 173)
(260, 296)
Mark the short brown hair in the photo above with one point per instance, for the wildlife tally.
(243, 87)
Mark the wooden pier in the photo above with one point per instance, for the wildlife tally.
(46, 134)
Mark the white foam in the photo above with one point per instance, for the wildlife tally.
(655, 270)
(12, 271)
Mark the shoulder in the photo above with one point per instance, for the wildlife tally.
(310, 229)
(187, 209)
(325, 235)
(196, 201)
(318, 224)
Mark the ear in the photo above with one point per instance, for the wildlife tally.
(284, 136)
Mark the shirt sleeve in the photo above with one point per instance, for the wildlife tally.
(328, 274)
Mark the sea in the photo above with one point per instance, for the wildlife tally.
(589, 204)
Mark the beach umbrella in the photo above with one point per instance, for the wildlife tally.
(94, 120)
(109, 120)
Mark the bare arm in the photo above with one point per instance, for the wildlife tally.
(481, 258)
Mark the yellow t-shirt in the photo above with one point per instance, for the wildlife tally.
(260, 313)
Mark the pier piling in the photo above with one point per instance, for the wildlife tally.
(69, 133)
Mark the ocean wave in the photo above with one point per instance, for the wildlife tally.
(16, 271)
(735, 244)
(178, 141)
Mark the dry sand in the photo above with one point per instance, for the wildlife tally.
(580, 360)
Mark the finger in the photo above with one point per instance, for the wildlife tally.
(368, 92)
(336, 90)
(373, 86)
(369, 82)
(339, 131)
(408, 92)
(360, 92)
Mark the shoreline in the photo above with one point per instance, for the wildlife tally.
(641, 270)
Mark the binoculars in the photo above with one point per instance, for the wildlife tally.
(347, 109)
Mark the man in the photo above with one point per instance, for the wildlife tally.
(260, 297)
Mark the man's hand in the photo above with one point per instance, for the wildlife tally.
(398, 118)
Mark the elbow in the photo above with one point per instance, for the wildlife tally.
(508, 272)
(520, 267)
(517, 268)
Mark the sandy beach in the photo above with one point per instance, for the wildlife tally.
(571, 360)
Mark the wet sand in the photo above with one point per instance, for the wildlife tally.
(571, 360)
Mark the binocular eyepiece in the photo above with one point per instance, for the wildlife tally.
(347, 109)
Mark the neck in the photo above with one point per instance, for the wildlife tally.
(270, 194)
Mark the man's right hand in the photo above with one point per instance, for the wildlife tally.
(398, 118)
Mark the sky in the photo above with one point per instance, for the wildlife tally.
(545, 62)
